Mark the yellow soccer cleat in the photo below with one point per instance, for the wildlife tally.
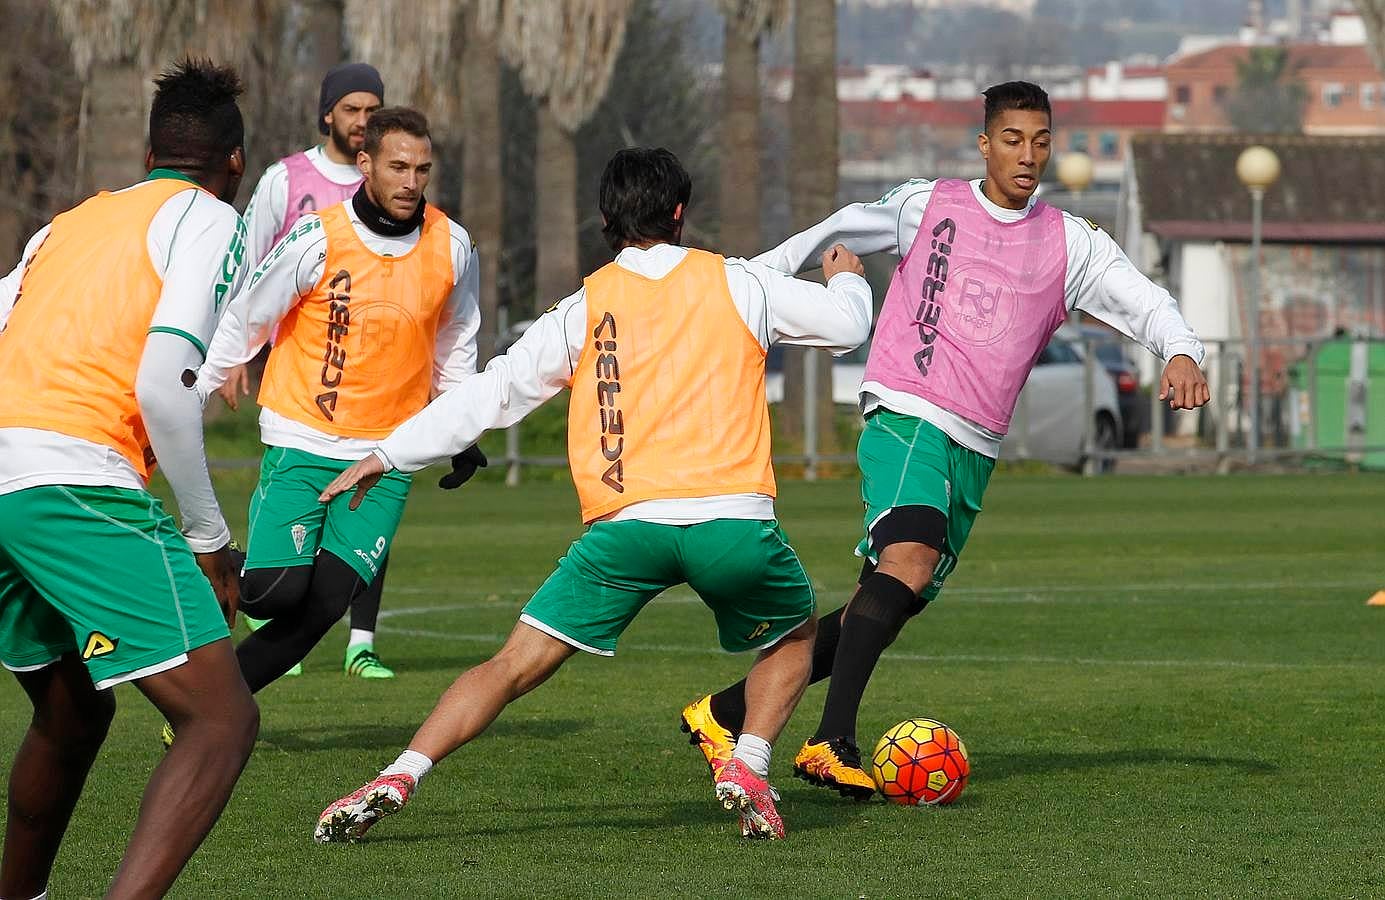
(836, 764)
(166, 737)
(707, 734)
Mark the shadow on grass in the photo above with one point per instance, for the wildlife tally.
(581, 818)
(386, 736)
(455, 663)
(996, 767)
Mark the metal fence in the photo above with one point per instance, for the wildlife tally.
(1316, 403)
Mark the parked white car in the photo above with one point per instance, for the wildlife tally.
(1048, 422)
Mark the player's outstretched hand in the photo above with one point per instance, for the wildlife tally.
(464, 465)
(838, 259)
(362, 476)
(237, 385)
(224, 575)
(1183, 384)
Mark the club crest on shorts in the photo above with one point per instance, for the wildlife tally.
(299, 532)
(757, 631)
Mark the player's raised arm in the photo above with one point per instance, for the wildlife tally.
(887, 225)
(834, 317)
(290, 271)
(1102, 281)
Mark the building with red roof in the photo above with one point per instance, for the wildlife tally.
(1346, 93)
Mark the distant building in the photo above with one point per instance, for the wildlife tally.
(1346, 93)
(1326, 43)
(1186, 220)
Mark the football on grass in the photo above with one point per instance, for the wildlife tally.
(920, 761)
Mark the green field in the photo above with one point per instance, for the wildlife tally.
(1169, 687)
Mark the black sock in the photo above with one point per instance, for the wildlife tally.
(872, 621)
(286, 640)
(728, 706)
(365, 606)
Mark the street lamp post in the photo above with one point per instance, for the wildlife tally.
(1257, 168)
(1075, 171)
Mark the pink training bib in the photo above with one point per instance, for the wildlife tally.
(309, 191)
(971, 306)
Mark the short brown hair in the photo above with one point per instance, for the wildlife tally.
(390, 119)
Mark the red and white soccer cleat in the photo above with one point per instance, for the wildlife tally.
(348, 819)
(741, 789)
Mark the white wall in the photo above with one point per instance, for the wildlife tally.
(1204, 294)
(1204, 291)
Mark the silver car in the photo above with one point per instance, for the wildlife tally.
(1049, 417)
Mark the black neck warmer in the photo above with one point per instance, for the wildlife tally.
(381, 222)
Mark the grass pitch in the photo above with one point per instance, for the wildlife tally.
(1169, 687)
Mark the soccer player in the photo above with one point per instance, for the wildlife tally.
(988, 274)
(323, 175)
(375, 304)
(294, 186)
(669, 444)
(104, 318)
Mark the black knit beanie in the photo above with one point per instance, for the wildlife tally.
(344, 79)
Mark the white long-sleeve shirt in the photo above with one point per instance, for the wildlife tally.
(195, 244)
(269, 204)
(289, 274)
(775, 307)
(1100, 280)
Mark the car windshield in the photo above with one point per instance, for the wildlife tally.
(1110, 354)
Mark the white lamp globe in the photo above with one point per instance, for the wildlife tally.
(1257, 167)
(1075, 170)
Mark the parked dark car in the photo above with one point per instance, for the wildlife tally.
(1111, 352)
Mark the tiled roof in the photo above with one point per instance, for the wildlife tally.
(1302, 56)
(1330, 188)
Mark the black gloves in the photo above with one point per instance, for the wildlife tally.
(464, 465)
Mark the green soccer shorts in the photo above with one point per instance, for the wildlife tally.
(906, 461)
(103, 571)
(288, 525)
(743, 569)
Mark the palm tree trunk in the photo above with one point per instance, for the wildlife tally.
(555, 207)
(111, 134)
(812, 186)
(740, 144)
(482, 177)
(319, 48)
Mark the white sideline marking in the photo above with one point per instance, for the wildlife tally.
(934, 657)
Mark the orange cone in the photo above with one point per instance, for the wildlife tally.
(1377, 599)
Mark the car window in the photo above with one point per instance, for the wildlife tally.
(1058, 351)
(1110, 354)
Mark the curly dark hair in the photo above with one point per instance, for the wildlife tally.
(194, 116)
